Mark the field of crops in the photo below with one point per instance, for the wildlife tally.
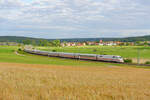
(32, 77)
(52, 82)
(124, 51)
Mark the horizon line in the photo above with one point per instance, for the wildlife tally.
(70, 38)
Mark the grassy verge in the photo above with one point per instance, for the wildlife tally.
(7, 54)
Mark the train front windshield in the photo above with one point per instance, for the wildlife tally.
(120, 57)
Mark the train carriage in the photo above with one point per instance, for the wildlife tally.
(55, 54)
(44, 53)
(67, 55)
(88, 56)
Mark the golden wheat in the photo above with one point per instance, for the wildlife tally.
(43, 82)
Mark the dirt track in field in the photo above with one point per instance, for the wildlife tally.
(49, 82)
(142, 60)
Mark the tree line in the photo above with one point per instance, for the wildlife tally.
(55, 43)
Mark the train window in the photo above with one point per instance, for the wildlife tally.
(88, 55)
(118, 57)
(114, 57)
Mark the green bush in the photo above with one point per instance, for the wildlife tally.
(147, 62)
(54, 50)
(19, 49)
(128, 60)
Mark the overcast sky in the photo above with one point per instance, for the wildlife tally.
(74, 18)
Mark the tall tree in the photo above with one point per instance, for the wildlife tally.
(56, 43)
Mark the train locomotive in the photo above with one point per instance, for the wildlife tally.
(106, 58)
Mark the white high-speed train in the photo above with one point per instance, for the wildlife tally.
(108, 58)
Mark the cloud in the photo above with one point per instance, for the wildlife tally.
(73, 18)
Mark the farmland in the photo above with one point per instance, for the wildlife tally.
(51, 82)
(124, 51)
(31, 77)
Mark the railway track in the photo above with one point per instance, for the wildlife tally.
(136, 64)
(114, 62)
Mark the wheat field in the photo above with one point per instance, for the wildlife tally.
(50, 82)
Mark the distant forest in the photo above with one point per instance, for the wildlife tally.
(37, 41)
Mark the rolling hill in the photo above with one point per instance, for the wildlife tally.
(21, 39)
